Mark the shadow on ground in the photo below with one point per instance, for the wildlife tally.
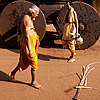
(48, 57)
(6, 78)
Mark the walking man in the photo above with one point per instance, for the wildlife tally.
(70, 31)
(28, 46)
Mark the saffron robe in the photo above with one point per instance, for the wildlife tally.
(25, 60)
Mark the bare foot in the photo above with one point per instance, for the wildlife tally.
(74, 54)
(12, 77)
(37, 86)
(71, 60)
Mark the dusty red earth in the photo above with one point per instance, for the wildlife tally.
(55, 73)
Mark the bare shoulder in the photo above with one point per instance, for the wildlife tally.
(26, 18)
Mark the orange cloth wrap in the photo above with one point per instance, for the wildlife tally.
(25, 60)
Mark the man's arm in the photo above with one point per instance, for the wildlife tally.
(27, 23)
(76, 19)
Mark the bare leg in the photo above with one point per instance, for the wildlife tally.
(12, 74)
(72, 57)
(33, 74)
(33, 82)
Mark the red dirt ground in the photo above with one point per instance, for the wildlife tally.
(55, 73)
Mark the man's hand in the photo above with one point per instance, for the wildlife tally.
(31, 55)
(77, 35)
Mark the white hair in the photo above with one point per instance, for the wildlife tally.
(33, 9)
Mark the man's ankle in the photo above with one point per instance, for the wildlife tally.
(33, 82)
